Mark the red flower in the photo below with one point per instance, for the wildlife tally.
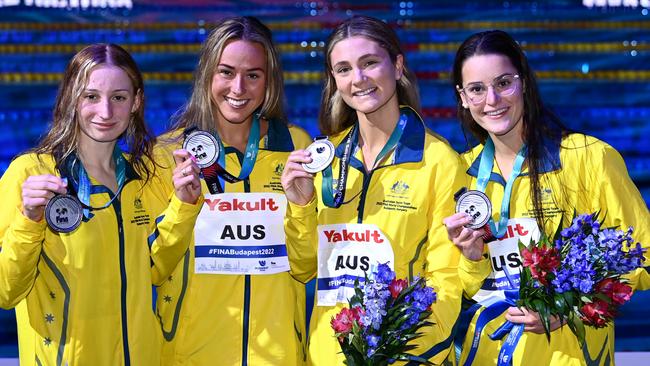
(618, 292)
(596, 313)
(344, 320)
(396, 286)
(541, 262)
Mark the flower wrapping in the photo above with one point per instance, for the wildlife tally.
(383, 316)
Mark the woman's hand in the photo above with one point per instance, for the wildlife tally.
(469, 241)
(530, 320)
(297, 183)
(37, 190)
(187, 184)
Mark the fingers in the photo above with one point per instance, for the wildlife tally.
(298, 184)
(185, 165)
(37, 190)
(181, 155)
(186, 176)
(300, 156)
(48, 182)
(530, 319)
(455, 224)
(293, 168)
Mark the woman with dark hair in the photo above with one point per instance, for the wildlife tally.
(395, 184)
(539, 173)
(75, 261)
(237, 299)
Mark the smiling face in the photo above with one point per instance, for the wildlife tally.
(239, 82)
(365, 76)
(106, 104)
(499, 115)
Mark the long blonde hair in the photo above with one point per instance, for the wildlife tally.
(62, 138)
(335, 115)
(198, 110)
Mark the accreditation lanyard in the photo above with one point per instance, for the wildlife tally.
(80, 181)
(217, 173)
(333, 197)
(484, 172)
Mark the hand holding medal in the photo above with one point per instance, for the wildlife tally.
(468, 228)
(46, 195)
(186, 176)
(322, 153)
(298, 174)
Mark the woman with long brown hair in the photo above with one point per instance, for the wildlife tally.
(75, 256)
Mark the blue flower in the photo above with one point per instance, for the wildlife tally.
(384, 274)
(372, 340)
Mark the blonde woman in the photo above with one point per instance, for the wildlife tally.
(237, 299)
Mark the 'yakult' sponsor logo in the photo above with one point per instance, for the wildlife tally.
(335, 236)
(262, 204)
(513, 231)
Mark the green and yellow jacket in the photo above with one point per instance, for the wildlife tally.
(581, 175)
(237, 319)
(84, 298)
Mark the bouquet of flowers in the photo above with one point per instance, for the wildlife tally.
(577, 277)
(385, 314)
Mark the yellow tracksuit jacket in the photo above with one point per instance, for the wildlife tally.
(406, 197)
(84, 298)
(584, 174)
(230, 319)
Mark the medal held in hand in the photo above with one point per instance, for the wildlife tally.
(63, 213)
(477, 205)
(322, 154)
(203, 146)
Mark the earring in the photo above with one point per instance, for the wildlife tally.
(465, 106)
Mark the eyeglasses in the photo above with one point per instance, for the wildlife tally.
(503, 85)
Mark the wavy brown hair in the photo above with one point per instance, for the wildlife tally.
(63, 136)
(335, 115)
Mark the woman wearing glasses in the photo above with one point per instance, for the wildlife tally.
(534, 171)
(78, 216)
(396, 180)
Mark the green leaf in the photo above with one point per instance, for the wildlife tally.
(578, 327)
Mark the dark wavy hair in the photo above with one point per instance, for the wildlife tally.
(63, 136)
(539, 123)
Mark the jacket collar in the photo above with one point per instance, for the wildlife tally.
(550, 161)
(410, 147)
(66, 171)
(278, 137)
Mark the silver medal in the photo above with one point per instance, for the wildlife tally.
(477, 205)
(63, 213)
(322, 154)
(203, 146)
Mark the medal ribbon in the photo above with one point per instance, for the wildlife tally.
(83, 185)
(215, 174)
(334, 197)
(493, 309)
(484, 172)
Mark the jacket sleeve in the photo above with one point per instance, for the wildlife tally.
(623, 206)
(300, 224)
(442, 259)
(172, 233)
(472, 274)
(173, 230)
(21, 239)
